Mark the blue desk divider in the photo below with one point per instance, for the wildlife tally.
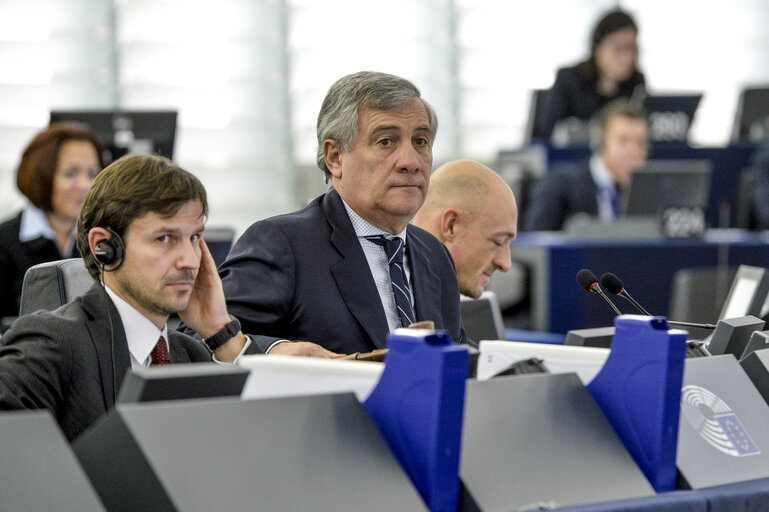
(639, 391)
(418, 406)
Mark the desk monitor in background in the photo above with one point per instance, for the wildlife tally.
(748, 293)
(182, 381)
(662, 184)
(670, 116)
(752, 119)
(126, 131)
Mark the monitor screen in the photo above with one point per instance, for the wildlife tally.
(662, 184)
(670, 116)
(752, 118)
(747, 294)
(125, 131)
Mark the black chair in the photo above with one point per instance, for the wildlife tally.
(535, 123)
(482, 318)
(49, 285)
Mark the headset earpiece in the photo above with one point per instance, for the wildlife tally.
(109, 251)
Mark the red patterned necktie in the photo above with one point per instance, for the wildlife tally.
(160, 353)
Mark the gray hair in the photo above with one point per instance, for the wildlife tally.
(338, 117)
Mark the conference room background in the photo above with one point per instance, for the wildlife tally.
(248, 76)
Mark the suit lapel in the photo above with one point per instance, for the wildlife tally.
(352, 274)
(110, 342)
(177, 354)
(425, 283)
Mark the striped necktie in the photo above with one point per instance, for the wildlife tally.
(394, 249)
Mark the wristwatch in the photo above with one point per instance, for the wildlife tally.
(224, 335)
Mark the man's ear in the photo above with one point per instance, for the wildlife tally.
(450, 218)
(332, 152)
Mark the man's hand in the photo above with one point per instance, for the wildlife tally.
(303, 348)
(207, 309)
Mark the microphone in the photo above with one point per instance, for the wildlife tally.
(589, 282)
(613, 284)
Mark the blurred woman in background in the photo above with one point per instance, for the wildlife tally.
(609, 73)
(55, 173)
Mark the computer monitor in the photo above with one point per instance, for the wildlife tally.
(670, 116)
(127, 131)
(747, 294)
(182, 381)
(752, 118)
(662, 184)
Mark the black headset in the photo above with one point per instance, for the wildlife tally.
(109, 251)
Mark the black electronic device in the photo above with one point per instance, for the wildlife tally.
(659, 185)
(182, 381)
(599, 337)
(752, 116)
(759, 340)
(732, 335)
(39, 470)
(232, 454)
(127, 131)
(747, 293)
(670, 116)
(756, 365)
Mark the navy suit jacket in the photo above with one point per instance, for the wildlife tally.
(558, 195)
(62, 360)
(304, 276)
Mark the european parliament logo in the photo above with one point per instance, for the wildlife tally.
(712, 418)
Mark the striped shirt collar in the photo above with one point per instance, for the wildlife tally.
(363, 228)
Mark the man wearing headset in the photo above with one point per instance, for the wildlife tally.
(140, 235)
(619, 141)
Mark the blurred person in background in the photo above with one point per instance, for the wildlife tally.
(609, 73)
(619, 134)
(55, 173)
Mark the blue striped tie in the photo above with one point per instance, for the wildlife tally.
(394, 249)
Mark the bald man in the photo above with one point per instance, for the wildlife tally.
(472, 211)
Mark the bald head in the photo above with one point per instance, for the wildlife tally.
(472, 211)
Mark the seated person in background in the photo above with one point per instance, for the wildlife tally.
(139, 233)
(609, 73)
(338, 275)
(472, 211)
(619, 141)
(55, 172)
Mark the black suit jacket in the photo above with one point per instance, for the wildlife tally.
(15, 258)
(304, 276)
(559, 195)
(63, 360)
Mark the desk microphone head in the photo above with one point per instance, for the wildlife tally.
(611, 283)
(587, 280)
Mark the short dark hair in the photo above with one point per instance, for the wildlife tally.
(338, 116)
(617, 108)
(34, 177)
(609, 23)
(129, 188)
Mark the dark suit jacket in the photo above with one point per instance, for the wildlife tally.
(15, 258)
(558, 195)
(575, 94)
(304, 276)
(62, 360)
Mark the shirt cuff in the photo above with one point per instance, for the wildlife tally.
(242, 351)
(276, 342)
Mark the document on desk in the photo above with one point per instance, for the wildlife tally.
(586, 362)
(277, 376)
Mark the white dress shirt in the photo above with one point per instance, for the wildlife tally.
(606, 189)
(377, 262)
(34, 224)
